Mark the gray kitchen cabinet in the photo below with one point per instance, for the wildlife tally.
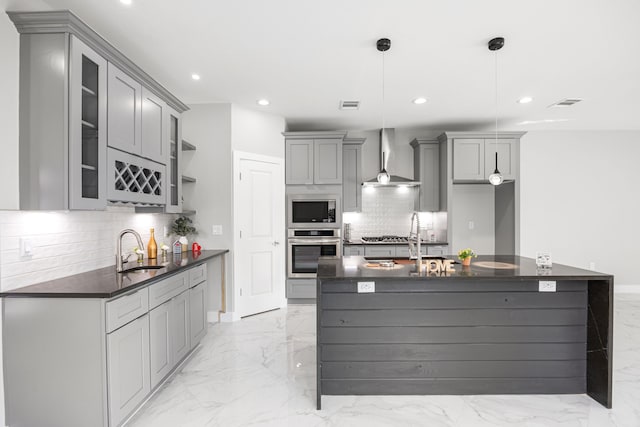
(380, 251)
(352, 174)
(468, 160)
(128, 368)
(125, 111)
(197, 303)
(62, 153)
(161, 357)
(313, 157)
(506, 149)
(426, 167)
(180, 319)
(301, 288)
(439, 250)
(402, 251)
(474, 158)
(198, 313)
(174, 161)
(349, 250)
(78, 95)
(134, 179)
(327, 161)
(153, 127)
(299, 162)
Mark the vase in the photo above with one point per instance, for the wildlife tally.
(466, 262)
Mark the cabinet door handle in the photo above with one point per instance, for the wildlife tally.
(276, 243)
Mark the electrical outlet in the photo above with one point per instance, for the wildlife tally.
(366, 287)
(471, 225)
(26, 248)
(216, 230)
(547, 286)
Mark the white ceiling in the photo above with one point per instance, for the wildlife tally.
(305, 56)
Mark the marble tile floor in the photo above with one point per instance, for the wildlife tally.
(260, 371)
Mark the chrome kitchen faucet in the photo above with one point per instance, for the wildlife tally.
(414, 241)
(119, 259)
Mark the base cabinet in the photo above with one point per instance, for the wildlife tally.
(198, 313)
(128, 368)
(77, 362)
(160, 342)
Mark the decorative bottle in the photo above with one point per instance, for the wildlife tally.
(152, 248)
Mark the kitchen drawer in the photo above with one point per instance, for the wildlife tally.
(380, 251)
(353, 250)
(197, 274)
(403, 251)
(123, 310)
(437, 250)
(301, 288)
(168, 288)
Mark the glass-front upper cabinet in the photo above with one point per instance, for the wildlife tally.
(174, 193)
(87, 127)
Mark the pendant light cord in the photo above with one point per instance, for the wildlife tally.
(496, 89)
(384, 166)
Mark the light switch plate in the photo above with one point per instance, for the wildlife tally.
(547, 286)
(26, 248)
(366, 287)
(216, 230)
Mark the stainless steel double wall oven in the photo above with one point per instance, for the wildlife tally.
(313, 231)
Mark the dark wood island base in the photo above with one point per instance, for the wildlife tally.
(476, 330)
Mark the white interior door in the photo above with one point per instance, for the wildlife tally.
(259, 262)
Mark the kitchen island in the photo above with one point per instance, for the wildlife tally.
(500, 326)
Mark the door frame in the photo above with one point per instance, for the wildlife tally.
(238, 156)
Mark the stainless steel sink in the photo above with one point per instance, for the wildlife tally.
(142, 269)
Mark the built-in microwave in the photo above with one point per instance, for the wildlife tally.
(313, 211)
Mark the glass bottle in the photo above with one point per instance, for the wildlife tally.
(152, 247)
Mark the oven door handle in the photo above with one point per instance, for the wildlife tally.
(314, 241)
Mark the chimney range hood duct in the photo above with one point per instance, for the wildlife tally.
(387, 146)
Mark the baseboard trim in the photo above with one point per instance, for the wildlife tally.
(626, 289)
(229, 316)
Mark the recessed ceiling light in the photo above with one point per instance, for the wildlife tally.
(195, 76)
(127, 2)
(419, 101)
(525, 100)
(263, 102)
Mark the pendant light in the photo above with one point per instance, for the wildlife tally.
(383, 45)
(495, 45)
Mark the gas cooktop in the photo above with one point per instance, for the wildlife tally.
(385, 239)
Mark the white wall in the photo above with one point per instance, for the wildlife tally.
(580, 199)
(216, 130)
(473, 203)
(208, 127)
(257, 132)
(9, 44)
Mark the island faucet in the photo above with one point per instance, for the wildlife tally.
(119, 258)
(414, 241)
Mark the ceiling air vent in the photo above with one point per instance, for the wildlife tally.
(566, 102)
(349, 105)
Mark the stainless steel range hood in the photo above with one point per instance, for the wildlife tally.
(387, 146)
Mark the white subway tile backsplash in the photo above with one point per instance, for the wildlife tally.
(67, 243)
(388, 210)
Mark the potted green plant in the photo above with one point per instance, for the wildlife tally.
(182, 227)
(465, 256)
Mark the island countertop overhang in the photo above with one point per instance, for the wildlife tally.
(524, 269)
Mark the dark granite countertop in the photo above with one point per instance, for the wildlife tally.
(107, 283)
(521, 268)
(360, 242)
